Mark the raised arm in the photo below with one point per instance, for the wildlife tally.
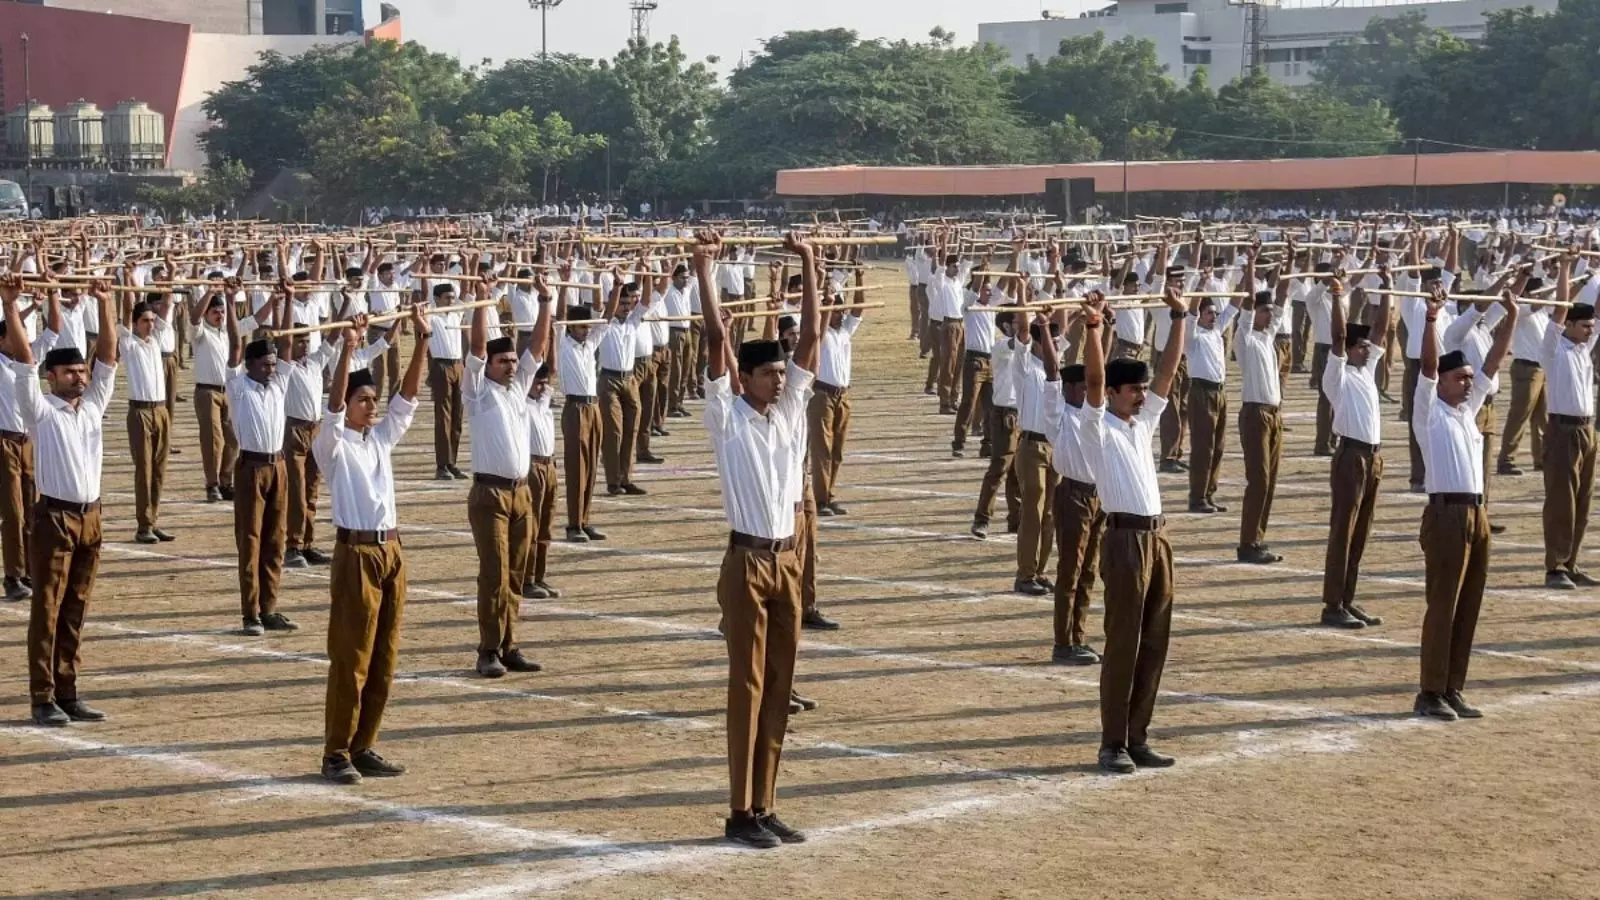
(1094, 353)
(1336, 329)
(1430, 335)
(542, 327)
(105, 349)
(1502, 336)
(1161, 385)
(808, 349)
(16, 340)
(707, 247)
(419, 356)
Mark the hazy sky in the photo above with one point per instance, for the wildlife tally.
(507, 29)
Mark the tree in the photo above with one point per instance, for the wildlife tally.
(221, 190)
(668, 104)
(1105, 86)
(1254, 117)
(1386, 60)
(1067, 142)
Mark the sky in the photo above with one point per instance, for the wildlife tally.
(508, 29)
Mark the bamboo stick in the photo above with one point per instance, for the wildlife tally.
(379, 319)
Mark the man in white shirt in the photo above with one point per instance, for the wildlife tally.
(1569, 444)
(444, 381)
(1318, 301)
(387, 292)
(1208, 400)
(1527, 415)
(219, 448)
(1350, 384)
(500, 505)
(680, 343)
(149, 416)
(1001, 430)
(828, 414)
(68, 433)
(542, 483)
(757, 440)
(367, 582)
(580, 416)
(1035, 475)
(1455, 527)
(946, 293)
(1121, 412)
(1077, 512)
(650, 365)
(17, 492)
(1472, 332)
(977, 374)
(1412, 311)
(621, 415)
(1260, 417)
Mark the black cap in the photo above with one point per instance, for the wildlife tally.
(1451, 361)
(354, 272)
(1073, 374)
(542, 372)
(439, 290)
(1534, 284)
(501, 345)
(1580, 312)
(1432, 273)
(580, 314)
(796, 282)
(679, 269)
(63, 356)
(1121, 372)
(754, 354)
(359, 379)
(1263, 298)
(1355, 333)
(258, 349)
(787, 322)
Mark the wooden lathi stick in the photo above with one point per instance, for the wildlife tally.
(379, 319)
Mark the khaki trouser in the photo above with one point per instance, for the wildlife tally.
(219, 447)
(1037, 480)
(1121, 349)
(1408, 385)
(502, 531)
(1299, 335)
(1283, 346)
(261, 500)
(920, 324)
(829, 415)
(977, 391)
(947, 358)
(1486, 428)
(580, 450)
(149, 441)
(1136, 568)
(1319, 364)
(169, 373)
(1261, 438)
(683, 371)
(62, 559)
(1078, 529)
(303, 479)
(805, 536)
(1569, 458)
(619, 426)
(1003, 439)
(695, 386)
(386, 366)
(444, 385)
(368, 586)
(542, 496)
(644, 375)
(662, 382)
(1174, 419)
(1455, 551)
(17, 497)
(1527, 414)
(1356, 475)
(759, 593)
(1208, 424)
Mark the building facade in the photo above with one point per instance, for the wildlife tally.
(259, 17)
(1214, 34)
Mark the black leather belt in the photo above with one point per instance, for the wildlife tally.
(579, 399)
(1571, 420)
(1035, 436)
(265, 459)
(146, 404)
(497, 481)
(1250, 403)
(977, 354)
(1131, 522)
(1524, 363)
(16, 437)
(166, 355)
(1354, 444)
(953, 321)
(1080, 487)
(616, 374)
(542, 460)
(299, 423)
(829, 389)
(751, 542)
(1455, 499)
(68, 506)
(373, 538)
(208, 387)
(1203, 383)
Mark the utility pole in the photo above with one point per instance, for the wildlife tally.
(641, 18)
(544, 7)
(27, 113)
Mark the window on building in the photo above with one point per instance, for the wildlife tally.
(1196, 57)
(1164, 8)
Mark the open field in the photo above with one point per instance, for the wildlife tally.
(949, 757)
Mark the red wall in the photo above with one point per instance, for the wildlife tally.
(104, 59)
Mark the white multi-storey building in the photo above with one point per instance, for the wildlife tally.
(1190, 34)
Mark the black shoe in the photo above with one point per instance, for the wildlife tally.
(678, 413)
(1217, 506)
(795, 708)
(275, 621)
(1203, 508)
(1046, 583)
(955, 453)
(654, 432)
(213, 495)
(614, 490)
(805, 703)
(443, 474)
(1497, 529)
(146, 537)
(1171, 467)
(633, 490)
(576, 536)
(227, 493)
(1384, 395)
(816, 621)
(457, 474)
(16, 590)
(1146, 758)
(1432, 706)
(1454, 699)
(316, 557)
(1582, 578)
(1508, 469)
(252, 628)
(516, 662)
(825, 512)
(1367, 619)
(1419, 489)
(294, 559)
(1117, 761)
(1074, 655)
(549, 591)
(980, 530)
(837, 509)
(650, 459)
(339, 770)
(49, 714)
(1029, 587)
(489, 665)
(1559, 581)
(79, 711)
(594, 533)
(1339, 617)
(788, 835)
(745, 829)
(531, 591)
(371, 765)
(1322, 453)
(985, 453)
(1258, 556)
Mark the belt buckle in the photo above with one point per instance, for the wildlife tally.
(380, 537)
(775, 547)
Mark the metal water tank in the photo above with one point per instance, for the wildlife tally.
(81, 133)
(136, 136)
(31, 125)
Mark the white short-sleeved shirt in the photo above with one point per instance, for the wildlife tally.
(147, 375)
(359, 466)
(1352, 391)
(1067, 456)
(1122, 456)
(499, 418)
(759, 456)
(1568, 372)
(834, 368)
(1257, 353)
(1208, 358)
(1003, 369)
(1452, 445)
(258, 410)
(68, 443)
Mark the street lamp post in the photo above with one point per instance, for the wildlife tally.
(544, 7)
(27, 118)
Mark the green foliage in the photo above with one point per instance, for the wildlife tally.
(221, 189)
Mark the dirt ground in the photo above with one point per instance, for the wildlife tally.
(949, 757)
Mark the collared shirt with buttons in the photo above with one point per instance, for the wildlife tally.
(759, 456)
(1353, 393)
(1257, 353)
(945, 294)
(10, 415)
(979, 331)
(1568, 372)
(577, 366)
(1065, 423)
(1208, 359)
(1034, 392)
(1452, 446)
(619, 340)
(1414, 312)
(258, 410)
(1472, 333)
(499, 417)
(1003, 363)
(1120, 453)
(444, 334)
(359, 466)
(68, 442)
(211, 351)
(147, 375)
(541, 422)
(834, 368)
